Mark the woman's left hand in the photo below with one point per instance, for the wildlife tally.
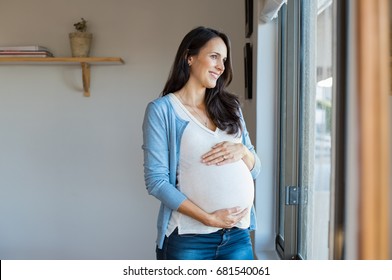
(224, 152)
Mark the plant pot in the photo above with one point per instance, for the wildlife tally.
(80, 43)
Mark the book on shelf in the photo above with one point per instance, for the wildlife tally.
(24, 48)
(29, 55)
(25, 54)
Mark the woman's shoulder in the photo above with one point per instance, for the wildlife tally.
(161, 102)
(161, 110)
(159, 106)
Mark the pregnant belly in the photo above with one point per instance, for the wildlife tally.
(217, 187)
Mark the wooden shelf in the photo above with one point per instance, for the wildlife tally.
(85, 63)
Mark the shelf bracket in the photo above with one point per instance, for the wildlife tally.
(85, 63)
(86, 78)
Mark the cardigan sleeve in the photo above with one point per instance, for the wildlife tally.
(247, 142)
(156, 150)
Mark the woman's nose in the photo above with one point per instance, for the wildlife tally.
(221, 66)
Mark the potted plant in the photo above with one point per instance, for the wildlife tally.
(80, 39)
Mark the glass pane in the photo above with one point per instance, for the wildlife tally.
(315, 127)
(282, 119)
(282, 170)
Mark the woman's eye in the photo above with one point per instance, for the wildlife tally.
(214, 56)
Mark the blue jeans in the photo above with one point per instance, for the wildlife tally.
(224, 244)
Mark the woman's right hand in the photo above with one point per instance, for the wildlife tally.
(226, 218)
(223, 218)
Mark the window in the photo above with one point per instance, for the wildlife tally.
(306, 128)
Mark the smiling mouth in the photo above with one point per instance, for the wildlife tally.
(215, 75)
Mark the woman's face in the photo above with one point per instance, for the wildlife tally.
(207, 66)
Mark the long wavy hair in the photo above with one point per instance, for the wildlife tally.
(222, 106)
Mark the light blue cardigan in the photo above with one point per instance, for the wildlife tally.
(162, 132)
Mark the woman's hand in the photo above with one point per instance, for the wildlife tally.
(228, 152)
(227, 218)
(223, 218)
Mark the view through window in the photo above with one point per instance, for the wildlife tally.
(316, 123)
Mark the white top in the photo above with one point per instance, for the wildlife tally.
(210, 187)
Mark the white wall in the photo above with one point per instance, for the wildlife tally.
(71, 174)
(266, 80)
(260, 114)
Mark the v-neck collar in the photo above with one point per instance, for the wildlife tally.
(189, 114)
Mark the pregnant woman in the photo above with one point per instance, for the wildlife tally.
(198, 158)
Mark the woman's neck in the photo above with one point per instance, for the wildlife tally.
(192, 96)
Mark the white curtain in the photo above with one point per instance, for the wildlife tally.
(269, 9)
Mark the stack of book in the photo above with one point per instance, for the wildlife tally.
(25, 51)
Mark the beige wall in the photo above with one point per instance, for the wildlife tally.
(390, 130)
(390, 180)
(71, 174)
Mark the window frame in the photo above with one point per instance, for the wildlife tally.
(289, 121)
